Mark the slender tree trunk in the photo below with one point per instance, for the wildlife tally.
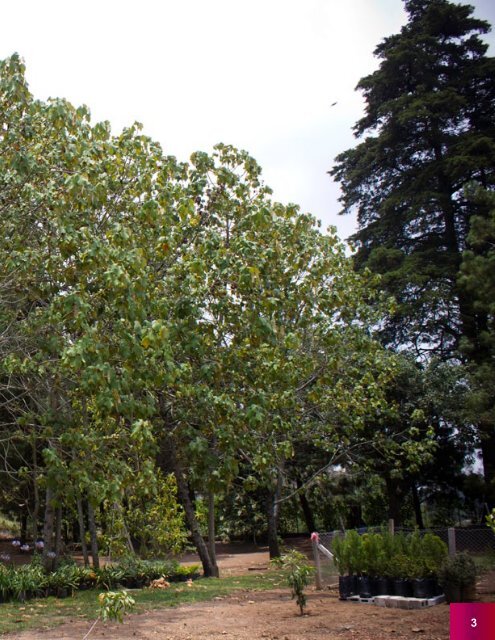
(417, 506)
(58, 534)
(48, 528)
(488, 453)
(169, 461)
(82, 531)
(93, 536)
(272, 513)
(211, 532)
(24, 519)
(393, 499)
(306, 509)
(204, 555)
(118, 508)
(36, 495)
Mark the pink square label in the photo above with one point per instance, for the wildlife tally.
(472, 621)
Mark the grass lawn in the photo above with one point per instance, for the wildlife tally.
(50, 612)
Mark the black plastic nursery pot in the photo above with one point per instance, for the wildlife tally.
(403, 587)
(183, 578)
(459, 593)
(381, 586)
(425, 588)
(347, 587)
(364, 587)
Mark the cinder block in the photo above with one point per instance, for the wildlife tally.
(414, 603)
(431, 602)
(399, 602)
(395, 602)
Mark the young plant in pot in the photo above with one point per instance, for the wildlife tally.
(430, 554)
(457, 576)
(382, 583)
(401, 569)
(356, 560)
(385, 565)
(373, 563)
(340, 552)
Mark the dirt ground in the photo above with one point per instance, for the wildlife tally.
(248, 615)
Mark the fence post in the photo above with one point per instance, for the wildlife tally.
(451, 534)
(316, 556)
(391, 527)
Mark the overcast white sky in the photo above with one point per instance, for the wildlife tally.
(261, 75)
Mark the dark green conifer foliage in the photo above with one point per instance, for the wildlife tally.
(428, 132)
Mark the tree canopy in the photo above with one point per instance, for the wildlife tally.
(427, 137)
(167, 330)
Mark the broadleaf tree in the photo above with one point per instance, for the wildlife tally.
(164, 318)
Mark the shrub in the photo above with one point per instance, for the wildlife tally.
(299, 575)
(458, 570)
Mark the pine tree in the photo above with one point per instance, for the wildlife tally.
(428, 132)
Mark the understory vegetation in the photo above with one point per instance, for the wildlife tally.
(50, 612)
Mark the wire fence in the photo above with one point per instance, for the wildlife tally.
(474, 540)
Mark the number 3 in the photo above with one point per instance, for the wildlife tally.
(474, 623)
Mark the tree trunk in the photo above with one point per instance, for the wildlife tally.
(169, 461)
(306, 509)
(209, 569)
(48, 528)
(36, 495)
(272, 513)
(93, 536)
(24, 519)
(119, 510)
(417, 506)
(58, 535)
(488, 453)
(393, 499)
(211, 532)
(82, 531)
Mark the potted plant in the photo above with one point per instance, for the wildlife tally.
(377, 563)
(340, 551)
(370, 551)
(64, 581)
(430, 554)
(86, 578)
(26, 582)
(457, 576)
(109, 576)
(400, 567)
(385, 568)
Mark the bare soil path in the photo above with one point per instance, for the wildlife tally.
(248, 615)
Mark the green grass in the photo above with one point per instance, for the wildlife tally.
(46, 613)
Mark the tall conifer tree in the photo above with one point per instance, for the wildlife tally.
(428, 132)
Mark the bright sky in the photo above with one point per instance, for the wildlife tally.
(261, 75)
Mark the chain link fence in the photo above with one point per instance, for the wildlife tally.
(476, 540)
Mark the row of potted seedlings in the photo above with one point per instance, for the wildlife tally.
(384, 564)
(31, 581)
